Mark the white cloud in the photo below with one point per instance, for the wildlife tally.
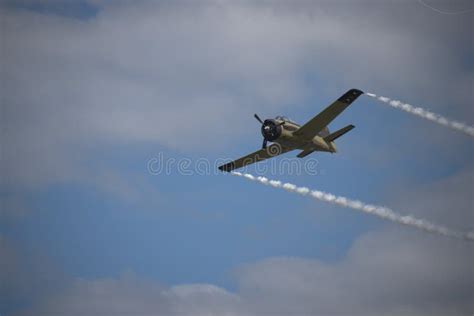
(131, 295)
(394, 271)
(178, 74)
(385, 273)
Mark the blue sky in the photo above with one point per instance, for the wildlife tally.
(94, 90)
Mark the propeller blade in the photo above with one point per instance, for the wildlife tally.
(264, 145)
(258, 119)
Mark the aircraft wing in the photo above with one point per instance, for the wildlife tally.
(271, 151)
(317, 123)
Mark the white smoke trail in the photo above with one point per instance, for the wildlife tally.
(379, 211)
(469, 130)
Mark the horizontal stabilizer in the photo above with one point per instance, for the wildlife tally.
(333, 136)
(305, 153)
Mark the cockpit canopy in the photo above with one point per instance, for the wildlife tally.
(285, 119)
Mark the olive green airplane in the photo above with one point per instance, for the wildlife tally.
(287, 135)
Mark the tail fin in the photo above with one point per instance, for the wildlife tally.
(305, 152)
(333, 136)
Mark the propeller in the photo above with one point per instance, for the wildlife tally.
(270, 130)
(264, 144)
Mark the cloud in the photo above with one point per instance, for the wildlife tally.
(392, 271)
(131, 295)
(26, 276)
(384, 274)
(175, 74)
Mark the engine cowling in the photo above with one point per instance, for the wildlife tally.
(271, 130)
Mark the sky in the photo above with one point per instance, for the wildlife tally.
(95, 92)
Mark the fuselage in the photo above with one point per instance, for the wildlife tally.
(287, 138)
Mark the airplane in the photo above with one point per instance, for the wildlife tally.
(287, 135)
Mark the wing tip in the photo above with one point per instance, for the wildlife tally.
(350, 96)
(228, 167)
